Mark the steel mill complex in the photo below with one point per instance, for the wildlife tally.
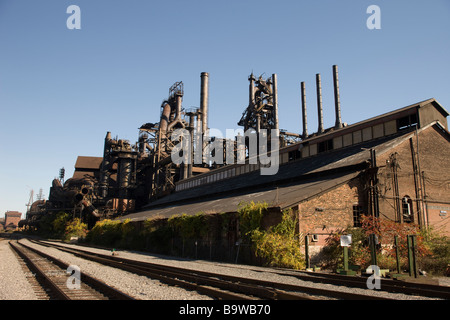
(393, 166)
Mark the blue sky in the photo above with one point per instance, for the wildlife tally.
(61, 90)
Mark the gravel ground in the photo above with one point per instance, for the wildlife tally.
(13, 282)
(240, 270)
(137, 286)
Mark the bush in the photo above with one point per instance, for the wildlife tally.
(359, 253)
(438, 261)
(111, 233)
(250, 216)
(59, 224)
(280, 245)
(75, 228)
(432, 251)
(189, 227)
(156, 235)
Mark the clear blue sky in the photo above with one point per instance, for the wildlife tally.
(61, 90)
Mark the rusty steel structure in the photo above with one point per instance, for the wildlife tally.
(129, 176)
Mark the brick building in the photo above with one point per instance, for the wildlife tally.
(12, 219)
(394, 166)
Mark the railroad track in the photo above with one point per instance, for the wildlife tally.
(388, 285)
(56, 284)
(216, 285)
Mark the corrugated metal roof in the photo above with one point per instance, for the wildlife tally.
(282, 196)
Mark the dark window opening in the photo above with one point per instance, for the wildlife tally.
(325, 146)
(293, 155)
(357, 214)
(407, 122)
(407, 210)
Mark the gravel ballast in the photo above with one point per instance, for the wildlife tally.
(13, 282)
(254, 272)
(134, 285)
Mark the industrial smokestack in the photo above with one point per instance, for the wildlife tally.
(337, 101)
(105, 166)
(251, 90)
(305, 128)
(204, 93)
(275, 99)
(319, 102)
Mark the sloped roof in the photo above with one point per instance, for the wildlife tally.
(283, 197)
(287, 173)
(90, 163)
(295, 182)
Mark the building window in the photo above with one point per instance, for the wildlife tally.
(407, 209)
(294, 155)
(407, 122)
(326, 145)
(357, 213)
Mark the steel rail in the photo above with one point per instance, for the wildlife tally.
(388, 285)
(260, 288)
(97, 285)
(34, 267)
(210, 284)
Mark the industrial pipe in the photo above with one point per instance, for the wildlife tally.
(164, 122)
(79, 197)
(179, 99)
(90, 208)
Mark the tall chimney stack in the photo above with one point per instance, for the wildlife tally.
(204, 92)
(305, 129)
(319, 103)
(337, 101)
(275, 99)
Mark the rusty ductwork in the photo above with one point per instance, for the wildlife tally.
(90, 209)
(165, 117)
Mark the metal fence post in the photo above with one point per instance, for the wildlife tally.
(308, 260)
(412, 256)
(397, 254)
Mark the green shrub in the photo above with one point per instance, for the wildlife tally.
(250, 216)
(189, 227)
(59, 224)
(75, 228)
(280, 245)
(111, 233)
(438, 261)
